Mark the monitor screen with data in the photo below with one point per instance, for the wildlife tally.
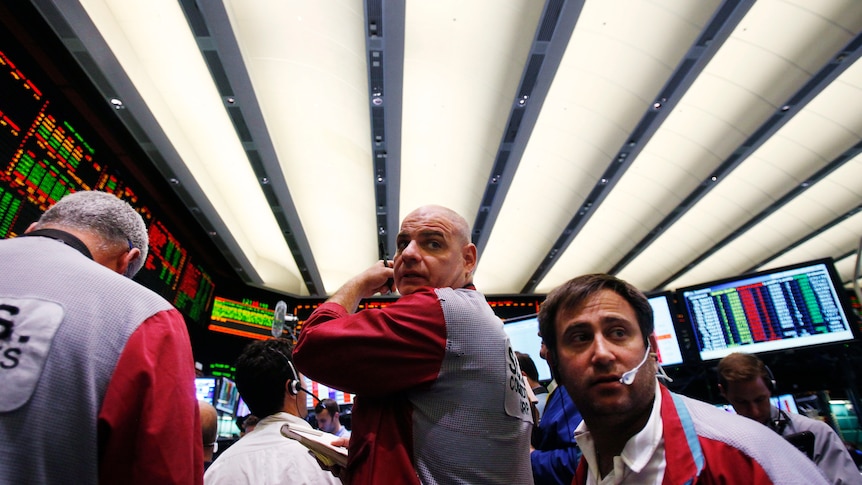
(669, 352)
(790, 307)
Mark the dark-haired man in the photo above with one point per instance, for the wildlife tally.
(269, 385)
(598, 330)
(743, 379)
(328, 417)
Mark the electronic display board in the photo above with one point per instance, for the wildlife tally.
(48, 150)
(248, 318)
(324, 392)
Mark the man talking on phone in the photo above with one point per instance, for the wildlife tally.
(440, 396)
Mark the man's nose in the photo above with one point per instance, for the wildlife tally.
(411, 250)
(601, 350)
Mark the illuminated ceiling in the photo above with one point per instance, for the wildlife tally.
(669, 142)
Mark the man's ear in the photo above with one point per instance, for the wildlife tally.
(127, 260)
(469, 254)
(721, 391)
(31, 228)
(653, 343)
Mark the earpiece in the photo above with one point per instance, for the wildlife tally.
(293, 385)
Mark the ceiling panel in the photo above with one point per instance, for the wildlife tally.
(589, 113)
(458, 91)
(670, 142)
(308, 70)
(746, 82)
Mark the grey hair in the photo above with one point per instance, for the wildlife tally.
(104, 215)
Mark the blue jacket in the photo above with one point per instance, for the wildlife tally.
(557, 454)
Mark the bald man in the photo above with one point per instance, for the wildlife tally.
(209, 431)
(440, 397)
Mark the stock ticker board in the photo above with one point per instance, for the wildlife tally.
(47, 150)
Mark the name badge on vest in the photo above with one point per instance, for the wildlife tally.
(27, 328)
(517, 402)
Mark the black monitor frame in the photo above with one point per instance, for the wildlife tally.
(739, 341)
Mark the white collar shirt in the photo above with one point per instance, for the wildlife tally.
(264, 456)
(642, 460)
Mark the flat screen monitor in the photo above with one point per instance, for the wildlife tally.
(205, 388)
(227, 396)
(322, 392)
(784, 308)
(524, 337)
(241, 408)
(247, 318)
(669, 352)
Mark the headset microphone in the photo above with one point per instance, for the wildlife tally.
(295, 385)
(628, 377)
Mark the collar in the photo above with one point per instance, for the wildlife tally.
(64, 237)
(280, 418)
(637, 452)
(641, 447)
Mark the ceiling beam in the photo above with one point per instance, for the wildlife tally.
(821, 174)
(549, 44)
(81, 37)
(713, 36)
(384, 41)
(219, 47)
(837, 64)
(810, 236)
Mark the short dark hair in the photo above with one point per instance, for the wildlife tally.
(329, 404)
(262, 370)
(577, 290)
(528, 366)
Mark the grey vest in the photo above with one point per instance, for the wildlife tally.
(64, 321)
(479, 382)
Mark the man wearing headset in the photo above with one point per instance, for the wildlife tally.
(599, 333)
(747, 384)
(270, 386)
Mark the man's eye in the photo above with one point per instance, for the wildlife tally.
(579, 337)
